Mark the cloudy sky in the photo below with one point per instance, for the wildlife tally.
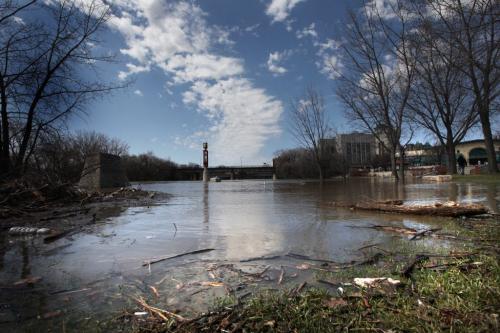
(222, 71)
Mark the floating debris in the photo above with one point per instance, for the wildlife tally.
(449, 208)
(28, 231)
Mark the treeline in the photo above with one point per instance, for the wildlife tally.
(422, 66)
(47, 62)
(60, 159)
(49, 57)
(300, 163)
(147, 167)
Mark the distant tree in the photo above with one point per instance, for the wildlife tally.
(86, 143)
(472, 28)
(295, 163)
(309, 124)
(376, 79)
(42, 65)
(61, 157)
(148, 167)
(441, 103)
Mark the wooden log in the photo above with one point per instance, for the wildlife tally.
(450, 210)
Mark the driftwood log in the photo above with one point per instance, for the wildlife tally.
(451, 209)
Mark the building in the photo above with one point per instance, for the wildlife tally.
(474, 151)
(357, 148)
(418, 154)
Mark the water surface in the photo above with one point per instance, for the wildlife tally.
(96, 272)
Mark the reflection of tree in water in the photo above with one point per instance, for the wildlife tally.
(3, 248)
(26, 269)
(491, 197)
(453, 192)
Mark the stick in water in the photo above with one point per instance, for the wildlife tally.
(154, 261)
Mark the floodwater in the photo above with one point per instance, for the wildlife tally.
(95, 274)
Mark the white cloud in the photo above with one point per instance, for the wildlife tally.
(384, 8)
(192, 67)
(18, 20)
(156, 31)
(328, 45)
(138, 92)
(280, 9)
(309, 31)
(274, 60)
(390, 9)
(243, 117)
(132, 69)
(175, 37)
(252, 28)
(329, 63)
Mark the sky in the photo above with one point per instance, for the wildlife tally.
(220, 71)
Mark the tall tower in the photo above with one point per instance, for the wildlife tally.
(205, 162)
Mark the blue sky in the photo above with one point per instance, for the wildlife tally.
(222, 71)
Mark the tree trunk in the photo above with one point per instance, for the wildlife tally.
(5, 149)
(320, 168)
(402, 164)
(28, 129)
(452, 159)
(488, 139)
(393, 163)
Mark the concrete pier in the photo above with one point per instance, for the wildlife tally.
(103, 171)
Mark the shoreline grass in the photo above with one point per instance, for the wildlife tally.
(495, 178)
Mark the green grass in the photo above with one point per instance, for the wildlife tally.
(495, 178)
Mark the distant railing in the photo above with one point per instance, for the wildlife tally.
(228, 167)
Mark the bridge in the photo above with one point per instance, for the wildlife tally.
(227, 172)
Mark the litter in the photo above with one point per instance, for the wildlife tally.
(28, 231)
(369, 282)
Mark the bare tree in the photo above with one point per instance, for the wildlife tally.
(50, 81)
(441, 103)
(10, 8)
(86, 143)
(376, 78)
(309, 124)
(60, 157)
(473, 28)
(13, 45)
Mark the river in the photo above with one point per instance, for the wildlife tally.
(96, 273)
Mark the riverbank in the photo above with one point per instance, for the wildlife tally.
(419, 290)
(60, 208)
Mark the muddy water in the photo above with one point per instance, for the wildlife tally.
(95, 274)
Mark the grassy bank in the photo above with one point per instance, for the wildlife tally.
(477, 178)
(452, 289)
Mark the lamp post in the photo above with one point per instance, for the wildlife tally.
(205, 162)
